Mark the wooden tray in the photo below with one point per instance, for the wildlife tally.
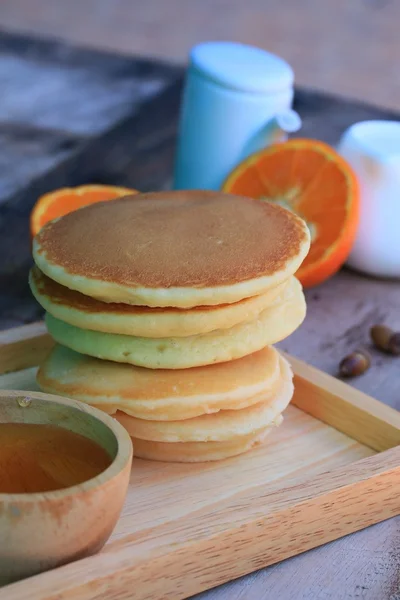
(331, 469)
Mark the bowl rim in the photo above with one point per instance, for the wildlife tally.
(123, 457)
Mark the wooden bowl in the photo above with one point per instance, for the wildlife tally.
(44, 530)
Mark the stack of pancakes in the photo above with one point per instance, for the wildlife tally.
(165, 306)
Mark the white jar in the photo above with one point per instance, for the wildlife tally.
(373, 150)
(236, 100)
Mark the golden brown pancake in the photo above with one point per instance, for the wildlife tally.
(176, 248)
(161, 395)
(88, 313)
(218, 427)
(187, 452)
(271, 326)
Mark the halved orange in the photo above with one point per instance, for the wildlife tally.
(65, 200)
(310, 178)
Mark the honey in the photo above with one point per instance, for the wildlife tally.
(42, 458)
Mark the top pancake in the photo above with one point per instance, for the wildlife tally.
(179, 249)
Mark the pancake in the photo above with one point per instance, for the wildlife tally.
(182, 249)
(219, 427)
(192, 452)
(88, 313)
(272, 325)
(161, 394)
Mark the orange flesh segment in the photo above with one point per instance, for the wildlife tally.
(310, 178)
(61, 202)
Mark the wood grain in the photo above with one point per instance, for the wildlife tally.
(341, 46)
(363, 565)
(362, 418)
(186, 528)
(184, 557)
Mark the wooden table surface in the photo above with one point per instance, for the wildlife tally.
(350, 47)
(340, 312)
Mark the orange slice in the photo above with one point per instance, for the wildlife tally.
(65, 200)
(310, 178)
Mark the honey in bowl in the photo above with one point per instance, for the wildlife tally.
(43, 458)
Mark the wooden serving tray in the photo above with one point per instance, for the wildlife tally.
(332, 468)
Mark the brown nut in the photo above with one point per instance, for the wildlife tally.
(354, 364)
(386, 339)
(394, 344)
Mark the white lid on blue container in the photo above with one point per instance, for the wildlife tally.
(242, 67)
